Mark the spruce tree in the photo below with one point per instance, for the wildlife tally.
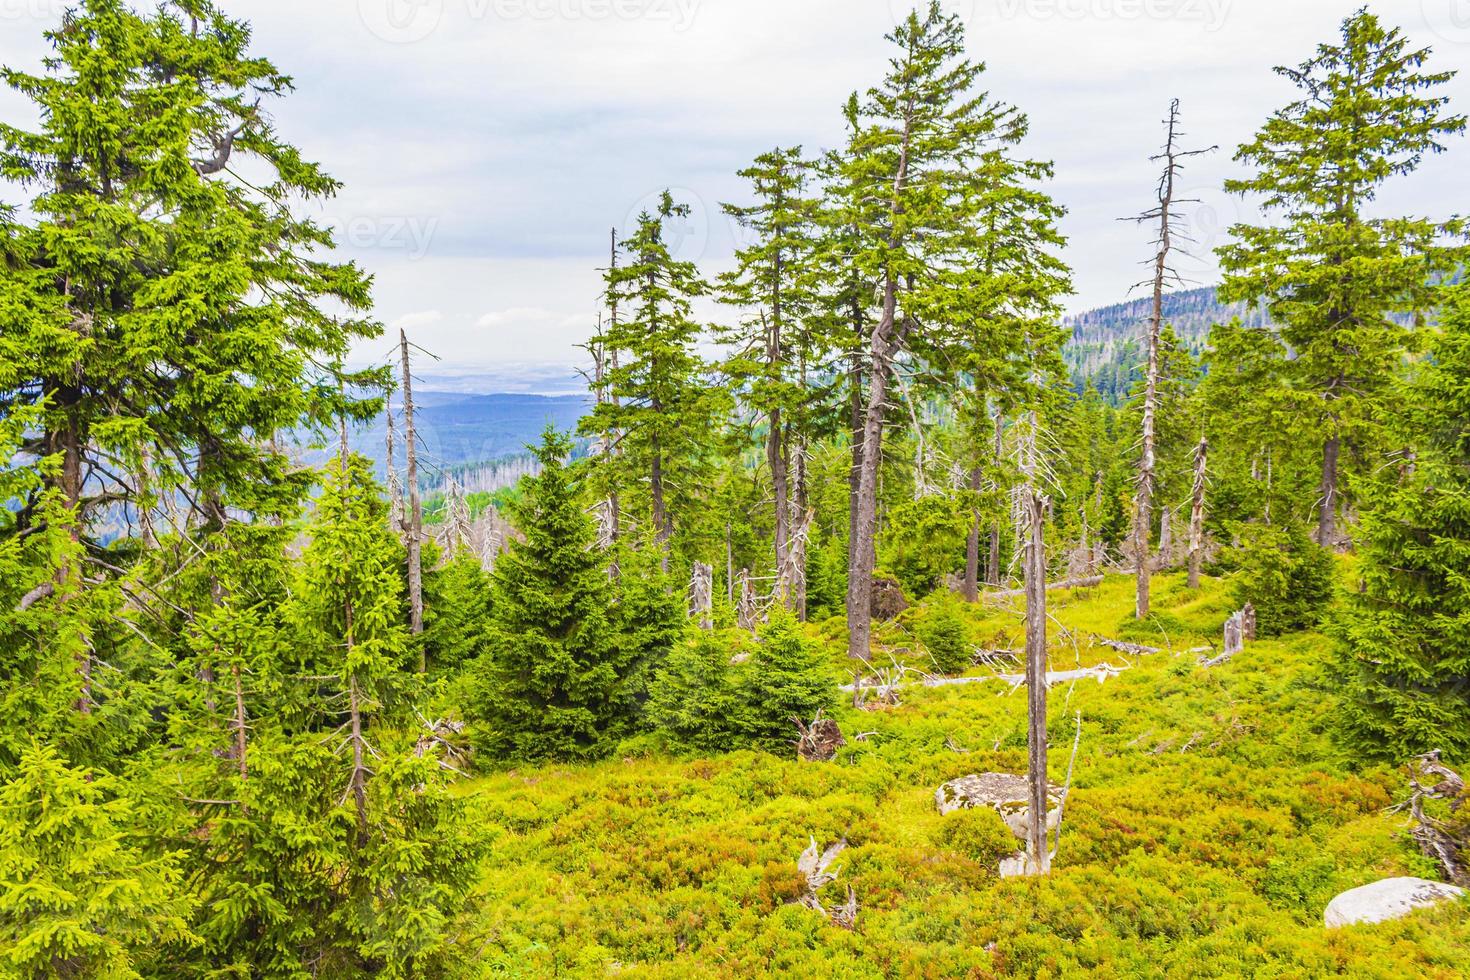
(1406, 633)
(80, 896)
(914, 187)
(552, 682)
(1332, 273)
(788, 677)
(657, 397)
(778, 357)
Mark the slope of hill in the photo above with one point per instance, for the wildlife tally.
(1210, 821)
(1105, 346)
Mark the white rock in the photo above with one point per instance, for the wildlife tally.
(1391, 898)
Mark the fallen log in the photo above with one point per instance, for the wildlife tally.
(1071, 583)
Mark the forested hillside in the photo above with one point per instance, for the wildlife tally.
(838, 633)
(1104, 349)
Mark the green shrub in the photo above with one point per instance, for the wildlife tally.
(1285, 575)
(945, 637)
(978, 833)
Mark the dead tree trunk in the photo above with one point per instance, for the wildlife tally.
(992, 568)
(800, 546)
(614, 503)
(1197, 513)
(747, 614)
(1034, 514)
(972, 545)
(1165, 215)
(413, 522)
(701, 595)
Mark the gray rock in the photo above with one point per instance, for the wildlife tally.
(1391, 898)
(1007, 794)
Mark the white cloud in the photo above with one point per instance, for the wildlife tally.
(415, 321)
(485, 157)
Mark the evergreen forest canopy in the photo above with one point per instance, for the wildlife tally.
(262, 719)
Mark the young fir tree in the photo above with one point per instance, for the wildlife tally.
(456, 610)
(656, 397)
(80, 896)
(1332, 273)
(336, 850)
(650, 616)
(788, 677)
(1406, 632)
(778, 356)
(553, 682)
(694, 701)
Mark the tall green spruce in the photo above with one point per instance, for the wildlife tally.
(553, 682)
(1332, 272)
(778, 355)
(657, 397)
(1406, 634)
(333, 847)
(913, 195)
(164, 316)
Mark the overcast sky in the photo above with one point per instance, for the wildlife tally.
(487, 146)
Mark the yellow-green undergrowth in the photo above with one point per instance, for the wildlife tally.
(1211, 819)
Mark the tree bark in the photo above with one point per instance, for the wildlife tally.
(1197, 513)
(860, 575)
(413, 530)
(972, 546)
(1327, 509)
(992, 569)
(1036, 739)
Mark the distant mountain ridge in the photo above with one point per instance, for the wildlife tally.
(458, 431)
(1106, 343)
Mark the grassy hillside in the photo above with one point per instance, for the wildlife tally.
(1210, 822)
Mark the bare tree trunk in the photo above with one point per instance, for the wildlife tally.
(1197, 513)
(801, 496)
(992, 569)
(414, 520)
(1327, 509)
(972, 546)
(614, 502)
(1036, 741)
(776, 457)
(1165, 216)
(855, 429)
(860, 575)
(662, 529)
